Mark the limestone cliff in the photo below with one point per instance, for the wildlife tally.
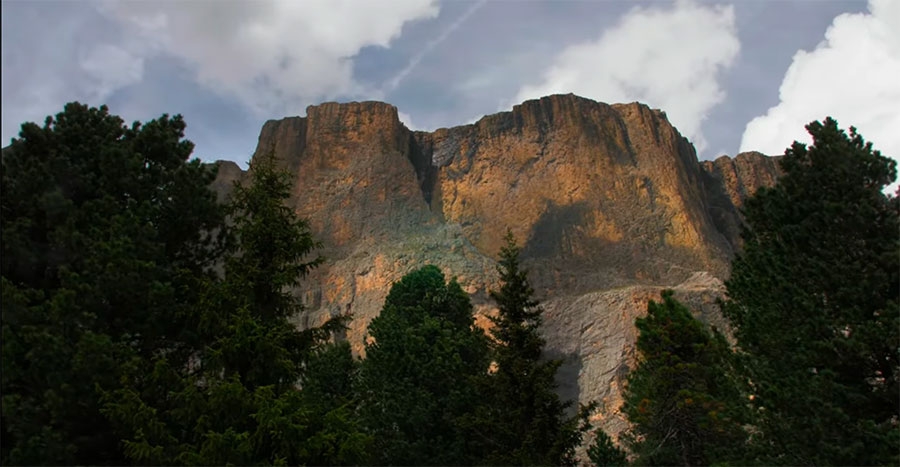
(609, 201)
(729, 181)
(600, 195)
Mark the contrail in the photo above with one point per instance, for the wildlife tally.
(430, 45)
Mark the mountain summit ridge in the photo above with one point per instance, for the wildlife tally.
(609, 202)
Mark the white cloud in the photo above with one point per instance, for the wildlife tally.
(853, 76)
(110, 68)
(666, 57)
(273, 56)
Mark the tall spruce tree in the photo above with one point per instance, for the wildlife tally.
(683, 400)
(272, 250)
(524, 421)
(106, 236)
(814, 299)
(236, 400)
(419, 380)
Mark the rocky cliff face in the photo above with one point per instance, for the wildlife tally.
(609, 201)
(729, 181)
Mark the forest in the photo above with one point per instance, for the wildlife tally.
(144, 322)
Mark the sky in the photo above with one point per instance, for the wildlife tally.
(732, 76)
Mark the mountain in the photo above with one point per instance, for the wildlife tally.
(609, 202)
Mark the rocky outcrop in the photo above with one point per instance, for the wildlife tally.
(595, 336)
(609, 201)
(227, 173)
(600, 195)
(354, 181)
(729, 181)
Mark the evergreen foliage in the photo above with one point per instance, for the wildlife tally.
(682, 400)
(604, 453)
(419, 380)
(105, 233)
(121, 341)
(337, 433)
(814, 299)
(236, 400)
(523, 420)
(248, 316)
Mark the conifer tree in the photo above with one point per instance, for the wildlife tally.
(337, 436)
(272, 250)
(682, 400)
(604, 453)
(524, 420)
(814, 300)
(236, 400)
(106, 236)
(419, 380)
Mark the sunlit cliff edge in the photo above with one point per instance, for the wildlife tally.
(609, 202)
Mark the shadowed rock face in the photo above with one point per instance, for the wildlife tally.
(609, 202)
(730, 181)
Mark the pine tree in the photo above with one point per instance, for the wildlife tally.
(236, 400)
(418, 382)
(523, 419)
(814, 299)
(683, 401)
(106, 234)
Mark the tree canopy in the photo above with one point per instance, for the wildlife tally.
(418, 382)
(138, 325)
(682, 400)
(237, 399)
(814, 299)
(602, 452)
(107, 231)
